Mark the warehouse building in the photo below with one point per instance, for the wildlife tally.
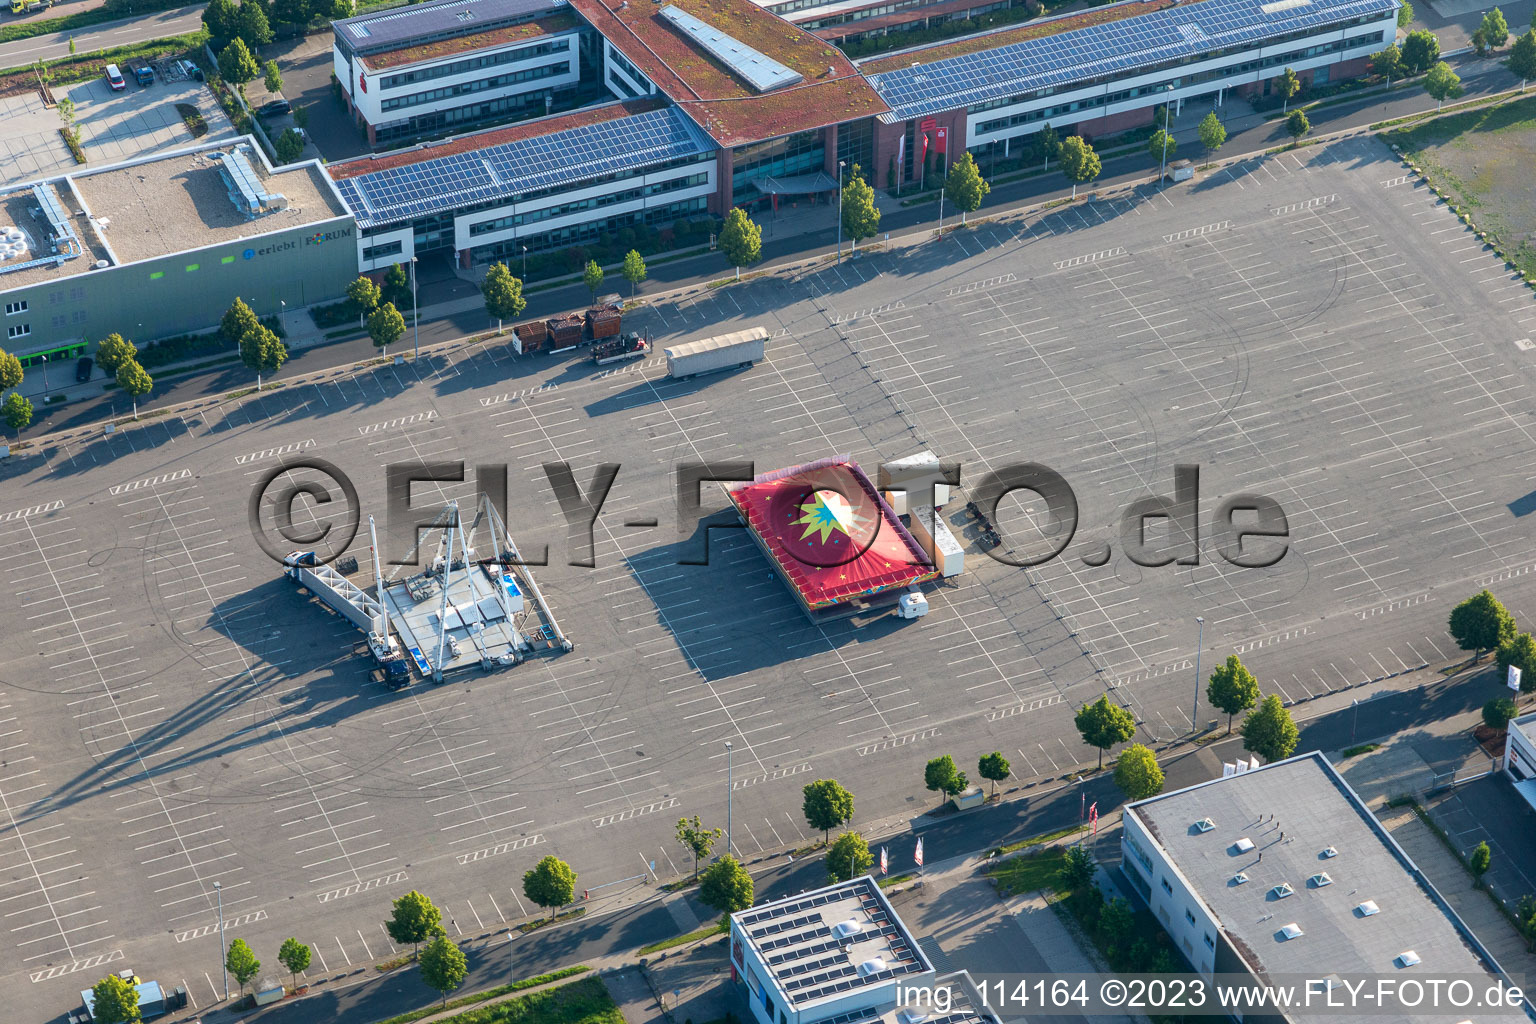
(444, 67)
(162, 245)
(1283, 870)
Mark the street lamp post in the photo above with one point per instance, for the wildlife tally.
(729, 792)
(525, 263)
(415, 313)
(840, 211)
(1167, 134)
(1195, 710)
(45, 378)
(223, 953)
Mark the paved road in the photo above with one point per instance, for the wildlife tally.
(130, 30)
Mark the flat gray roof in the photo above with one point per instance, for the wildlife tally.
(19, 209)
(401, 25)
(810, 962)
(1305, 800)
(180, 202)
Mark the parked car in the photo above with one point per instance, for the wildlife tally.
(115, 79)
(274, 108)
(83, 369)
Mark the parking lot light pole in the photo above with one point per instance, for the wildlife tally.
(525, 263)
(223, 953)
(45, 378)
(1195, 710)
(1167, 134)
(730, 787)
(415, 314)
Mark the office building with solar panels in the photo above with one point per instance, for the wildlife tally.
(688, 107)
(842, 955)
(1104, 70)
(162, 245)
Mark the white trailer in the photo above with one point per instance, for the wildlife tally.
(728, 351)
(905, 482)
(933, 533)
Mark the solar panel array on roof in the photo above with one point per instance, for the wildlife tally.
(405, 25)
(1174, 33)
(567, 157)
(761, 71)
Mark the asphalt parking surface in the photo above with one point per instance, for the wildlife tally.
(1308, 326)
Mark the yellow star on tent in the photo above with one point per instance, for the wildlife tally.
(826, 512)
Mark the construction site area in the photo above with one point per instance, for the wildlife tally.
(187, 705)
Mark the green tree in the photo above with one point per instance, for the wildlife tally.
(301, 116)
(1297, 124)
(443, 965)
(272, 77)
(726, 886)
(1137, 773)
(942, 776)
(1232, 689)
(242, 963)
(550, 883)
(238, 320)
(1480, 859)
(1050, 145)
(134, 381)
(364, 296)
(592, 277)
(741, 240)
(503, 294)
(1116, 922)
(10, 371)
(1495, 28)
(1481, 623)
(1442, 83)
(1287, 85)
(1480, 42)
(861, 218)
(385, 325)
(221, 17)
(262, 352)
(1522, 57)
(1498, 711)
(1213, 134)
(413, 921)
(964, 186)
(994, 768)
(397, 287)
(114, 350)
(848, 857)
(1388, 63)
(1420, 51)
(252, 26)
(292, 12)
(826, 805)
(1077, 868)
(1162, 145)
(697, 839)
(115, 1001)
(294, 955)
(289, 146)
(17, 411)
(634, 270)
(1269, 732)
(1078, 162)
(1103, 724)
(1519, 651)
(1404, 14)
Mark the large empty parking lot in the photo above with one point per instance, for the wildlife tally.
(1309, 326)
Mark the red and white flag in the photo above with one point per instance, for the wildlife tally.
(1093, 817)
(918, 856)
(922, 152)
(885, 861)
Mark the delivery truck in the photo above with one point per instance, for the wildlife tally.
(727, 352)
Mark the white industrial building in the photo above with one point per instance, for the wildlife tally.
(1283, 870)
(1520, 756)
(840, 955)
